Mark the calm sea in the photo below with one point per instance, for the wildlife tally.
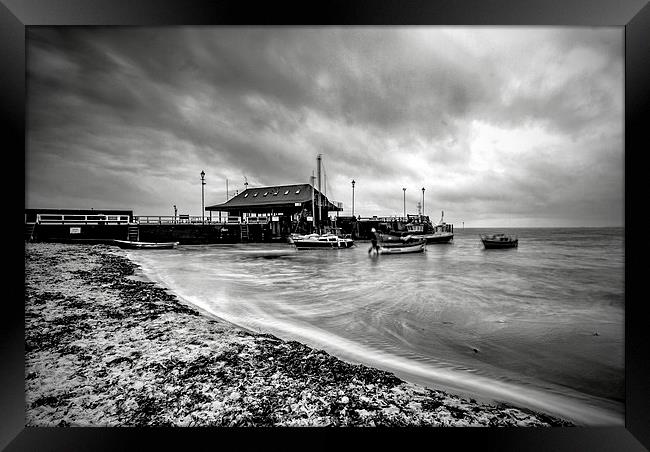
(540, 326)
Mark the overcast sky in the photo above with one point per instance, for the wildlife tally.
(502, 126)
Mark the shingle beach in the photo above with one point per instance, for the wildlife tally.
(105, 348)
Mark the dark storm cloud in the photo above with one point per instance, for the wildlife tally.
(389, 107)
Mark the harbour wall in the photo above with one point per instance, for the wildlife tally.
(91, 233)
(194, 234)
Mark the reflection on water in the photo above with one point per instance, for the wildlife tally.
(540, 325)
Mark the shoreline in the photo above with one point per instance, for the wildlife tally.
(106, 347)
(139, 275)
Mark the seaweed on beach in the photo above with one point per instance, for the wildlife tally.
(106, 349)
(298, 360)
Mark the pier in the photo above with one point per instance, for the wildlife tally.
(104, 226)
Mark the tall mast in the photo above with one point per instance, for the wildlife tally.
(318, 162)
(313, 210)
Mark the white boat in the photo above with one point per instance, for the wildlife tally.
(391, 244)
(403, 248)
(319, 241)
(129, 244)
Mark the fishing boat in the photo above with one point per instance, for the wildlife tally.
(500, 240)
(321, 241)
(421, 226)
(128, 244)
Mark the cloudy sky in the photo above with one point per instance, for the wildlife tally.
(503, 126)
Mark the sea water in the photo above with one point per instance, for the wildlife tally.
(539, 326)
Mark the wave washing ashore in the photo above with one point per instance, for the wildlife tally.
(106, 349)
(539, 326)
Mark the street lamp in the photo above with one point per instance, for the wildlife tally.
(404, 202)
(353, 197)
(422, 201)
(202, 197)
(175, 213)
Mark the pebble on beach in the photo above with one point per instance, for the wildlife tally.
(106, 349)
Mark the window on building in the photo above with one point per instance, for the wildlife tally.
(255, 195)
(245, 195)
(297, 191)
(265, 193)
(286, 192)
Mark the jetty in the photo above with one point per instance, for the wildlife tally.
(262, 214)
(247, 217)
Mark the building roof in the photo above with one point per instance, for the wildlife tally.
(273, 196)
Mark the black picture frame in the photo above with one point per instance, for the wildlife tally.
(633, 15)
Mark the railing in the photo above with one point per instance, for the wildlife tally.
(384, 219)
(195, 219)
(171, 219)
(408, 219)
(82, 219)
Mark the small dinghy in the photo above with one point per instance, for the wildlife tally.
(128, 244)
(321, 241)
(400, 245)
(499, 241)
(402, 249)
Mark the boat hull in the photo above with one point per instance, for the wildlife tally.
(444, 237)
(409, 246)
(145, 245)
(500, 245)
(319, 245)
(438, 237)
(499, 241)
(404, 249)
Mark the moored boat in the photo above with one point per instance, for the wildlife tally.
(409, 246)
(421, 226)
(439, 234)
(394, 244)
(129, 244)
(321, 241)
(499, 240)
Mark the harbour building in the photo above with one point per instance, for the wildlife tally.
(284, 208)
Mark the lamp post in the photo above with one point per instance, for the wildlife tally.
(202, 197)
(422, 201)
(175, 213)
(404, 189)
(353, 197)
